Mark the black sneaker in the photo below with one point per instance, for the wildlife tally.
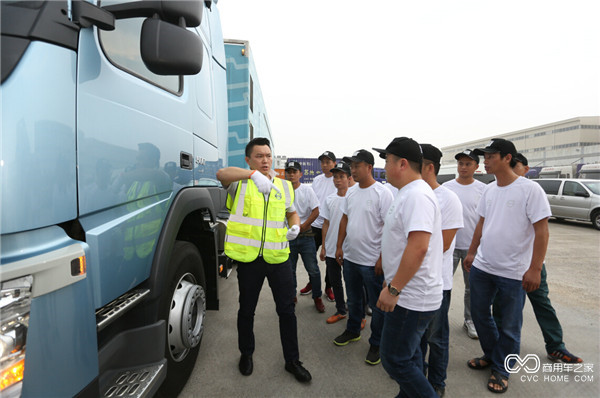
(564, 356)
(440, 391)
(245, 365)
(346, 338)
(296, 368)
(373, 355)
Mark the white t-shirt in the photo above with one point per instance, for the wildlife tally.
(506, 245)
(332, 211)
(469, 196)
(366, 209)
(305, 201)
(415, 209)
(452, 218)
(323, 187)
(392, 189)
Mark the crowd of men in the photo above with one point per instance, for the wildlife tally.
(391, 250)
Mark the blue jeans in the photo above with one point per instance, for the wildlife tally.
(438, 338)
(305, 247)
(400, 350)
(510, 296)
(355, 275)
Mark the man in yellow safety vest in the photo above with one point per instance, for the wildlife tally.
(261, 209)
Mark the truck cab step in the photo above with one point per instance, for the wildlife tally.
(139, 382)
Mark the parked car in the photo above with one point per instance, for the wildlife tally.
(577, 199)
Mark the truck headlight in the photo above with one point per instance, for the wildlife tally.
(15, 304)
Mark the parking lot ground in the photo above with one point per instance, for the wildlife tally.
(573, 268)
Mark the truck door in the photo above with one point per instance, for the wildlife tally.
(134, 129)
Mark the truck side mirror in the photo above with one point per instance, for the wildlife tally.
(582, 194)
(169, 49)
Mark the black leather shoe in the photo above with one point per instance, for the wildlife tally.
(246, 365)
(296, 368)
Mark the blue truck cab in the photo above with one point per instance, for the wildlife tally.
(114, 123)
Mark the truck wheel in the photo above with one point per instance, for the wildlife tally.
(596, 219)
(183, 306)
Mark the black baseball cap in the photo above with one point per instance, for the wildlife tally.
(498, 145)
(467, 153)
(520, 158)
(431, 153)
(327, 154)
(403, 147)
(292, 164)
(362, 155)
(341, 166)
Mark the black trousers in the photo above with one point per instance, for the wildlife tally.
(250, 280)
(318, 241)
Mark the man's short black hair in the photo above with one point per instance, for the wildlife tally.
(254, 142)
(436, 166)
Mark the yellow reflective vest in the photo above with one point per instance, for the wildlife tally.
(258, 225)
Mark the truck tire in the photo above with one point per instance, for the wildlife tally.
(183, 306)
(596, 219)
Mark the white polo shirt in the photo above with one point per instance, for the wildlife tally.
(366, 209)
(469, 196)
(506, 245)
(305, 201)
(332, 211)
(323, 187)
(415, 209)
(452, 218)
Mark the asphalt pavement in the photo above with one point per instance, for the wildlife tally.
(573, 267)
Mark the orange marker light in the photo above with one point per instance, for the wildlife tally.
(12, 375)
(78, 266)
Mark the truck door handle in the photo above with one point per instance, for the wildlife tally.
(185, 160)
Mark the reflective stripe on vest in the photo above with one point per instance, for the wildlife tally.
(257, 226)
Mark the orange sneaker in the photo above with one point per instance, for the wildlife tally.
(336, 317)
(363, 323)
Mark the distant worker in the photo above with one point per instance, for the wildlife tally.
(540, 302)
(323, 187)
(469, 191)
(505, 258)
(332, 214)
(437, 336)
(307, 207)
(412, 262)
(260, 205)
(359, 250)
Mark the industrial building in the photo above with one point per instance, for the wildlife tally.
(563, 143)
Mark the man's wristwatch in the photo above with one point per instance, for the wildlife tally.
(393, 291)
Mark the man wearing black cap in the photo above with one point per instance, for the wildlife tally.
(540, 302)
(505, 258)
(332, 214)
(437, 336)
(411, 248)
(307, 207)
(359, 249)
(469, 191)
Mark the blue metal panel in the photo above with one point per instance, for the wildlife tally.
(38, 140)
(61, 352)
(311, 167)
(122, 243)
(238, 93)
(61, 357)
